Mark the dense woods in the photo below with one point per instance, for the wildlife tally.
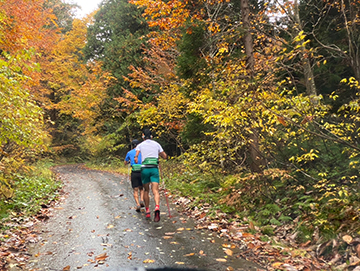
(260, 97)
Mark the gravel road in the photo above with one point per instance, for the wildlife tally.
(96, 227)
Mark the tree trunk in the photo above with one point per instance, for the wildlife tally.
(254, 150)
(350, 21)
(308, 72)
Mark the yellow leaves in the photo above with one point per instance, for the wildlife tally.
(223, 50)
(306, 157)
(300, 36)
(170, 111)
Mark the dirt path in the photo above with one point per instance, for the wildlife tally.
(96, 226)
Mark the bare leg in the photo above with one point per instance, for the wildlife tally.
(141, 193)
(155, 190)
(136, 195)
(146, 195)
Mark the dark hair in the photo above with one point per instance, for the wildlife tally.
(135, 142)
(147, 133)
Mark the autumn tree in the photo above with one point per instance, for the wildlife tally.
(22, 128)
(75, 89)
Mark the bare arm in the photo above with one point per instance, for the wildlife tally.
(136, 156)
(163, 155)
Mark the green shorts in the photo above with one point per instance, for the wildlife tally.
(150, 175)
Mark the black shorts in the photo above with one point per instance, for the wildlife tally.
(136, 179)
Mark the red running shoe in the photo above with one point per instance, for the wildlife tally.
(148, 215)
(157, 216)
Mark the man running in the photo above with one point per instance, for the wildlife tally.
(150, 151)
(135, 175)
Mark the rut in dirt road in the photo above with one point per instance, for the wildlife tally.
(96, 226)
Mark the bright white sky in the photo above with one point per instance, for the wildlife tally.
(87, 6)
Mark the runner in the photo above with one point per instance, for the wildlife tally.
(135, 176)
(150, 151)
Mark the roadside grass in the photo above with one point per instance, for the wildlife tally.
(33, 189)
(112, 164)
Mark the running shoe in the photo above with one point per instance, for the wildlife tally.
(142, 204)
(147, 214)
(157, 216)
(138, 208)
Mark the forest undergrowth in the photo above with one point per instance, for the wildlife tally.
(275, 221)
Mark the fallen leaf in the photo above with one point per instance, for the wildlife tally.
(148, 261)
(101, 257)
(277, 264)
(347, 238)
(66, 268)
(106, 245)
(251, 225)
(221, 260)
(167, 237)
(190, 254)
(129, 256)
(228, 252)
(246, 234)
(201, 252)
(179, 263)
(110, 226)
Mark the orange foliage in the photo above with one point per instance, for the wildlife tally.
(27, 24)
(69, 85)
